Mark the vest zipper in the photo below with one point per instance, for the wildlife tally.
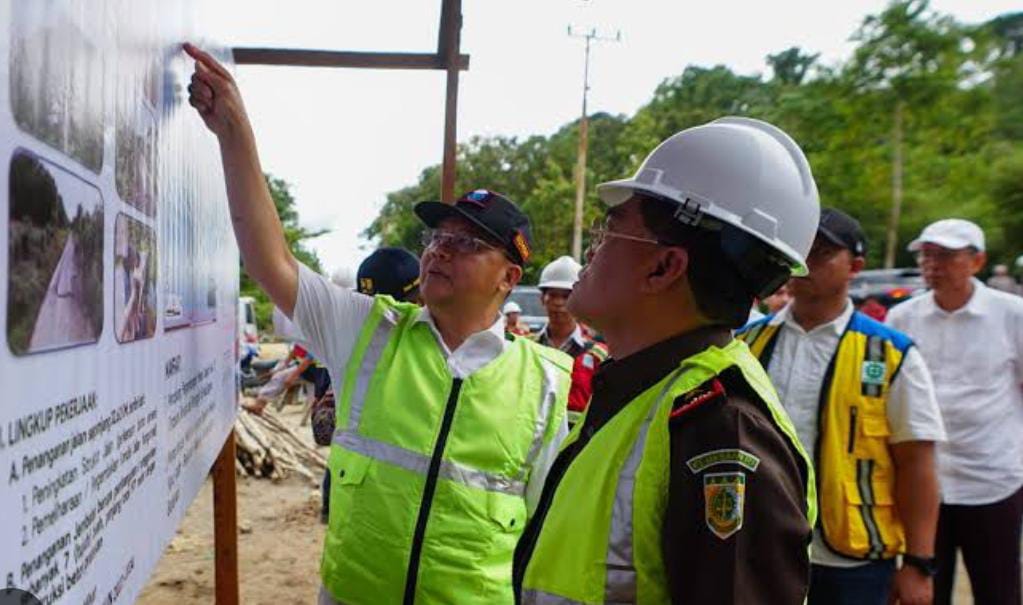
(853, 412)
(428, 490)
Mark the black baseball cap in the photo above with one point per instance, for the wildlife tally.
(390, 271)
(841, 229)
(495, 214)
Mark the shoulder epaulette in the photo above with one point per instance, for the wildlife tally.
(708, 392)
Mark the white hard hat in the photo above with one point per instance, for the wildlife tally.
(951, 233)
(560, 273)
(511, 307)
(344, 277)
(739, 171)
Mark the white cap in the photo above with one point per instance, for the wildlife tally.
(951, 233)
(512, 307)
(560, 274)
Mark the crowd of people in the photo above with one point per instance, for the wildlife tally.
(657, 441)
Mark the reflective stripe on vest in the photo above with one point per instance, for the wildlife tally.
(413, 475)
(612, 495)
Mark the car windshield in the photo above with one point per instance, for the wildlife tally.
(529, 300)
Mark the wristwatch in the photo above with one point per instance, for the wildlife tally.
(927, 565)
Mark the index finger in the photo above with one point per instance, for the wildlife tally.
(206, 60)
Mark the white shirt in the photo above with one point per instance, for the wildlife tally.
(797, 367)
(331, 317)
(975, 354)
(576, 338)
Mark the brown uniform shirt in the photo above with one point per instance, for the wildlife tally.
(766, 560)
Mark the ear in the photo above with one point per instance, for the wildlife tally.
(510, 278)
(856, 265)
(977, 262)
(670, 266)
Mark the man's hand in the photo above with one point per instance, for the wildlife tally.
(215, 95)
(911, 587)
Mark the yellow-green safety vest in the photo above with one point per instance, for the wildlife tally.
(601, 538)
(855, 472)
(429, 472)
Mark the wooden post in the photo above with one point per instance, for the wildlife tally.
(448, 48)
(225, 525)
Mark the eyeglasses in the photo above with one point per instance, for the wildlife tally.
(453, 241)
(599, 231)
(940, 255)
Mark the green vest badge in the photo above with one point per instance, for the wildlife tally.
(873, 373)
(724, 495)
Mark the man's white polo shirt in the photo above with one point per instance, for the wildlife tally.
(975, 355)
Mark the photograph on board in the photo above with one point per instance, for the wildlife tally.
(138, 99)
(134, 280)
(55, 257)
(56, 77)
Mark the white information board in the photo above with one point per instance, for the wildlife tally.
(118, 286)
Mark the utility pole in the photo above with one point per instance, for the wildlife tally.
(584, 124)
(892, 234)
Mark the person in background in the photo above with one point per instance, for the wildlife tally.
(513, 319)
(1001, 280)
(446, 428)
(862, 400)
(777, 301)
(564, 333)
(972, 339)
(873, 309)
(390, 272)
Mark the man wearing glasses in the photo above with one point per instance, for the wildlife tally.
(972, 339)
(862, 401)
(685, 482)
(445, 428)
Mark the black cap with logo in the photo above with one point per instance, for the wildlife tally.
(496, 215)
(390, 271)
(843, 230)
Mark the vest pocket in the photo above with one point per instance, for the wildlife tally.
(352, 470)
(508, 512)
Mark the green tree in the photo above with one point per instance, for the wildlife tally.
(295, 234)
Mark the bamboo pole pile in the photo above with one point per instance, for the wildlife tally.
(268, 448)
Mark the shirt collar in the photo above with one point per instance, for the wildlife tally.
(624, 379)
(977, 305)
(576, 336)
(836, 326)
(493, 335)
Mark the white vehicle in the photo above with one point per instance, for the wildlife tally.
(247, 332)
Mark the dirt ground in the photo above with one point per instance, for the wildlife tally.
(279, 544)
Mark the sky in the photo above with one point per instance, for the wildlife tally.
(344, 138)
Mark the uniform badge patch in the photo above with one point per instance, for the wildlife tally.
(706, 460)
(724, 495)
(873, 373)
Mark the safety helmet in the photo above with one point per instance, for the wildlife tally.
(560, 273)
(344, 277)
(739, 172)
(511, 307)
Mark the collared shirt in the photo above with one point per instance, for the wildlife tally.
(573, 345)
(797, 367)
(975, 355)
(331, 318)
(702, 568)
